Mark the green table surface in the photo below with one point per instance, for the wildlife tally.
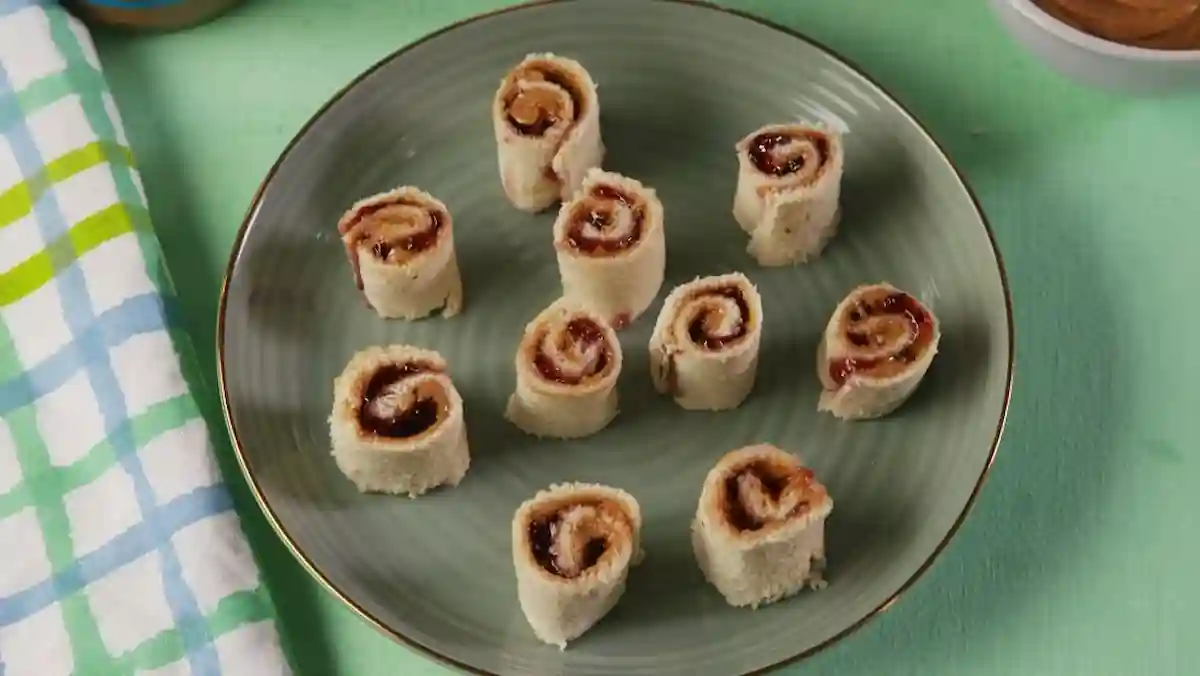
(1079, 557)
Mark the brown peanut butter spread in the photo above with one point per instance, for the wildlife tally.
(533, 107)
(887, 330)
(1153, 24)
(535, 110)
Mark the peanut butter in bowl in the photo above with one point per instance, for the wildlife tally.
(1149, 24)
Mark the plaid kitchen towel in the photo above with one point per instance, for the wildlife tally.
(119, 549)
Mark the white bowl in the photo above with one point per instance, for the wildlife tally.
(1095, 61)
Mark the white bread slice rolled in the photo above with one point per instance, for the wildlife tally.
(546, 115)
(759, 530)
(704, 349)
(401, 248)
(875, 351)
(567, 365)
(611, 246)
(573, 546)
(788, 189)
(397, 422)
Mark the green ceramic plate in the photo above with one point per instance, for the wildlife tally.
(679, 84)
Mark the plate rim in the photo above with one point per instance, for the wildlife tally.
(446, 660)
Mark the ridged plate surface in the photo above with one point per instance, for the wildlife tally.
(679, 84)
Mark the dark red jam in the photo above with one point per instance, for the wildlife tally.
(410, 422)
(698, 331)
(541, 540)
(602, 217)
(769, 162)
(585, 332)
(773, 483)
(920, 325)
(412, 243)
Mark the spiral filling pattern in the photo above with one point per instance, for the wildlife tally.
(716, 317)
(396, 229)
(571, 538)
(605, 220)
(540, 96)
(572, 352)
(801, 154)
(882, 332)
(398, 403)
(761, 493)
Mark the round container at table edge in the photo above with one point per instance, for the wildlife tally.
(168, 15)
(1094, 61)
(447, 660)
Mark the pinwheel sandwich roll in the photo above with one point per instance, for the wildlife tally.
(567, 365)
(401, 249)
(611, 246)
(704, 348)
(759, 529)
(573, 546)
(876, 349)
(546, 116)
(397, 422)
(788, 189)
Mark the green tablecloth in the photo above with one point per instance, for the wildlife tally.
(1080, 556)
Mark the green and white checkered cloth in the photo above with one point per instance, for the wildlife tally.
(120, 552)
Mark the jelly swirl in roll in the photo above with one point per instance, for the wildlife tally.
(801, 154)
(876, 349)
(611, 246)
(393, 407)
(397, 422)
(573, 546)
(704, 348)
(567, 367)
(401, 250)
(546, 116)
(788, 191)
(605, 220)
(759, 529)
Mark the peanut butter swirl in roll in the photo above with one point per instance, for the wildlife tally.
(397, 423)
(541, 94)
(611, 246)
(759, 529)
(876, 349)
(546, 116)
(400, 245)
(567, 366)
(1152, 24)
(704, 348)
(573, 546)
(395, 230)
(788, 191)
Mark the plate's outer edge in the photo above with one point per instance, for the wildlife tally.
(446, 660)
